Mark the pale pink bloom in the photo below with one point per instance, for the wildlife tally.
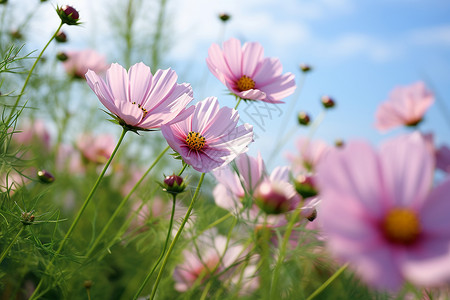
(443, 158)
(30, 133)
(139, 99)
(68, 159)
(79, 62)
(207, 136)
(14, 180)
(310, 152)
(247, 73)
(406, 106)
(214, 255)
(96, 149)
(381, 214)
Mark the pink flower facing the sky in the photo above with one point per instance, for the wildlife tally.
(79, 62)
(406, 106)
(247, 73)
(381, 214)
(140, 100)
(96, 149)
(207, 136)
(310, 152)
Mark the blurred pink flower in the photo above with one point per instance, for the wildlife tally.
(79, 62)
(207, 137)
(247, 73)
(443, 158)
(69, 160)
(380, 214)
(96, 149)
(310, 152)
(30, 133)
(139, 99)
(406, 106)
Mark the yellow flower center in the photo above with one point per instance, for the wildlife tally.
(245, 83)
(142, 108)
(195, 141)
(401, 226)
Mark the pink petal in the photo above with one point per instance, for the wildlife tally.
(233, 56)
(117, 80)
(252, 54)
(140, 79)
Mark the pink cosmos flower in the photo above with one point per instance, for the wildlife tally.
(207, 137)
(443, 158)
(79, 62)
(406, 106)
(247, 73)
(34, 132)
(96, 149)
(140, 100)
(310, 152)
(381, 214)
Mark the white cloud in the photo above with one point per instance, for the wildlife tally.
(435, 36)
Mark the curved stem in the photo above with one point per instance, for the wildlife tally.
(122, 203)
(237, 104)
(80, 212)
(149, 275)
(328, 282)
(182, 169)
(5, 252)
(177, 236)
(29, 75)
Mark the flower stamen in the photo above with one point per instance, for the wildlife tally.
(401, 226)
(245, 83)
(142, 108)
(195, 141)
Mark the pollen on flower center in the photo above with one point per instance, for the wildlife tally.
(195, 141)
(245, 83)
(142, 108)
(401, 226)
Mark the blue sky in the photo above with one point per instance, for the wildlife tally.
(360, 50)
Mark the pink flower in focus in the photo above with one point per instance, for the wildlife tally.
(247, 73)
(310, 152)
(79, 62)
(380, 214)
(96, 149)
(443, 158)
(208, 138)
(140, 100)
(406, 106)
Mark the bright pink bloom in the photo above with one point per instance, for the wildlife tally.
(380, 213)
(310, 152)
(139, 99)
(443, 158)
(207, 137)
(406, 106)
(247, 73)
(79, 62)
(96, 149)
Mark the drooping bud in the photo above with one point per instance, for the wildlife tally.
(305, 68)
(174, 184)
(45, 176)
(224, 17)
(339, 143)
(304, 185)
(61, 37)
(327, 102)
(270, 199)
(303, 118)
(68, 15)
(61, 56)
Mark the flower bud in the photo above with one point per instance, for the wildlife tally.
(3, 1)
(61, 56)
(312, 216)
(174, 184)
(68, 14)
(303, 118)
(339, 143)
(87, 284)
(327, 102)
(270, 199)
(45, 176)
(224, 17)
(304, 185)
(16, 34)
(27, 218)
(305, 68)
(61, 37)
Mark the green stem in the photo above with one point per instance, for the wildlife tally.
(149, 275)
(158, 34)
(177, 236)
(29, 75)
(80, 212)
(5, 252)
(122, 203)
(328, 282)
(182, 169)
(237, 104)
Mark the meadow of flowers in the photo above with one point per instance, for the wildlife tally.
(118, 183)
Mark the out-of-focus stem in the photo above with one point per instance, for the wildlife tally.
(5, 252)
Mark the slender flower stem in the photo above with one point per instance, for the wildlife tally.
(29, 75)
(182, 169)
(122, 203)
(169, 231)
(237, 104)
(177, 236)
(5, 252)
(80, 212)
(328, 282)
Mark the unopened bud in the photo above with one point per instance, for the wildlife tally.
(327, 102)
(87, 284)
(312, 216)
(45, 176)
(304, 185)
(303, 118)
(224, 17)
(3, 1)
(68, 15)
(16, 34)
(61, 56)
(61, 37)
(174, 184)
(270, 199)
(27, 218)
(339, 143)
(305, 68)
